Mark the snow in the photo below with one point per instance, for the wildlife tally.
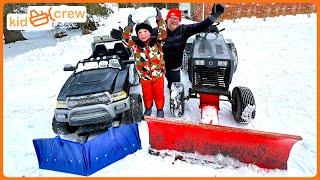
(209, 115)
(277, 61)
(247, 113)
(143, 13)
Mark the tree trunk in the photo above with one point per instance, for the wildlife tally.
(13, 36)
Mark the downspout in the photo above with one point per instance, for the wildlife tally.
(202, 11)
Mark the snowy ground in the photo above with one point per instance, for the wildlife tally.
(277, 61)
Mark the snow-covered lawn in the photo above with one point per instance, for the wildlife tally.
(277, 61)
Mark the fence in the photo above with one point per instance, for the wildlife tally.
(259, 10)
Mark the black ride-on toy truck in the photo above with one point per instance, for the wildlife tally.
(211, 63)
(96, 95)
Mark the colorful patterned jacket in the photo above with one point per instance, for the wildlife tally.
(148, 59)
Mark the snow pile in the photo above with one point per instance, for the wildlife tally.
(143, 13)
(218, 161)
(209, 115)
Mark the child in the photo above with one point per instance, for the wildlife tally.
(149, 61)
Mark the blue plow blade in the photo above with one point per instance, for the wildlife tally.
(85, 159)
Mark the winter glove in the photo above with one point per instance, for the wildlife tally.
(217, 10)
(116, 34)
(130, 22)
(158, 16)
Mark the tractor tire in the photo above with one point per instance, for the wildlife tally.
(234, 52)
(235, 55)
(177, 99)
(62, 128)
(243, 105)
(190, 70)
(185, 57)
(135, 113)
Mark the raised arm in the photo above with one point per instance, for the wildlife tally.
(216, 11)
(126, 35)
(162, 28)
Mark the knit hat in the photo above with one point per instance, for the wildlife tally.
(145, 25)
(174, 12)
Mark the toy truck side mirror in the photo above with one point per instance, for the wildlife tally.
(69, 67)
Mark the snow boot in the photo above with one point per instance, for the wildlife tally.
(160, 113)
(148, 112)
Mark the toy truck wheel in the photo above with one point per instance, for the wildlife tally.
(134, 79)
(62, 128)
(135, 113)
(243, 105)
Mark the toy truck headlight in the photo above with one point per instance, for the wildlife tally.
(199, 62)
(61, 105)
(71, 103)
(119, 95)
(104, 98)
(222, 63)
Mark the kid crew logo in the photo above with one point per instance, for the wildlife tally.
(43, 17)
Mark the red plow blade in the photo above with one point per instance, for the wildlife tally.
(264, 149)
